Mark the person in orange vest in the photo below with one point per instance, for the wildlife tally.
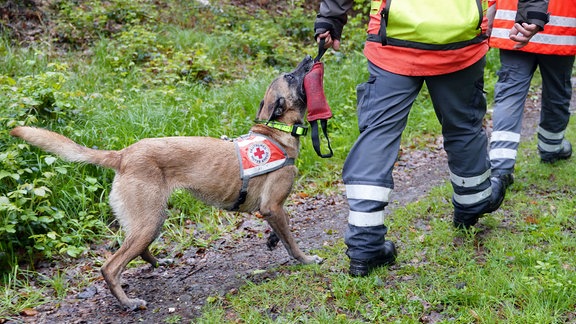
(552, 51)
(441, 43)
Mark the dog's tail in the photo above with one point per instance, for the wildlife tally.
(66, 148)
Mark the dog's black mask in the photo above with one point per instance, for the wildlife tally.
(287, 89)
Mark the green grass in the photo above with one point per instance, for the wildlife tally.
(203, 72)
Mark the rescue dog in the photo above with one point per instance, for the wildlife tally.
(149, 170)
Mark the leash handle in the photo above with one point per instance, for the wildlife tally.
(316, 138)
(321, 50)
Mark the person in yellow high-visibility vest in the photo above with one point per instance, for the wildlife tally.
(552, 51)
(441, 43)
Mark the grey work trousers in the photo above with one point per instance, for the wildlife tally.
(514, 77)
(384, 102)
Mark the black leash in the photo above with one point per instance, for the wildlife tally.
(321, 50)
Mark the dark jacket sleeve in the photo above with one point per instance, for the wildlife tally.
(533, 12)
(332, 16)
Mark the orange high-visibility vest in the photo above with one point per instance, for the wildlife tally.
(557, 38)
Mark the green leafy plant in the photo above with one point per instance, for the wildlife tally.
(79, 23)
(32, 220)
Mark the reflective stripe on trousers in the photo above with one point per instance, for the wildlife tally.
(510, 92)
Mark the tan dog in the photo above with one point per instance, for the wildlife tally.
(148, 171)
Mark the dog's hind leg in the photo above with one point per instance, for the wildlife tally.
(141, 216)
(278, 218)
(133, 246)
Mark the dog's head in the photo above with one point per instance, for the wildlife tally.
(285, 98)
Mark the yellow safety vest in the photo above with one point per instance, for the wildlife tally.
(426, 24)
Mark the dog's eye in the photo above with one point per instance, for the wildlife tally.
(289, 77)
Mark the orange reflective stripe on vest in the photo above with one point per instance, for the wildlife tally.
(557, 38)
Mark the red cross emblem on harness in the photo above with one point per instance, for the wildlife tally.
(259, 153)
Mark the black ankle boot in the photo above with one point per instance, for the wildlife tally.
(499, 185)
(387, 257)
(564, 153)
(463, 220)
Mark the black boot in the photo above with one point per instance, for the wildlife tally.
(387, 257)
(464, 220)
(499, 185)
(564, 153)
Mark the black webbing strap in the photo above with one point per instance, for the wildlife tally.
(316, 138)
(243, 194)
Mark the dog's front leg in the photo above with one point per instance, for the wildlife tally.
(272, 241)
(277, 217)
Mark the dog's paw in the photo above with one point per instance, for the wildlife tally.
(313, 259)
(272, 241)
(135, 304)
(165, 262)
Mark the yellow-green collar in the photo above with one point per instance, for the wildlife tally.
(295, 130)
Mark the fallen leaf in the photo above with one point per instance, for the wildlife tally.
(531, 220)
(303, 195)
(29, 312)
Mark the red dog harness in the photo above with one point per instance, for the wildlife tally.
(257, 155)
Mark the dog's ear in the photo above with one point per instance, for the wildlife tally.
(278, 108)
(260, 109)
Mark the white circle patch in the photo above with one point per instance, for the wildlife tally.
(259, 153)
